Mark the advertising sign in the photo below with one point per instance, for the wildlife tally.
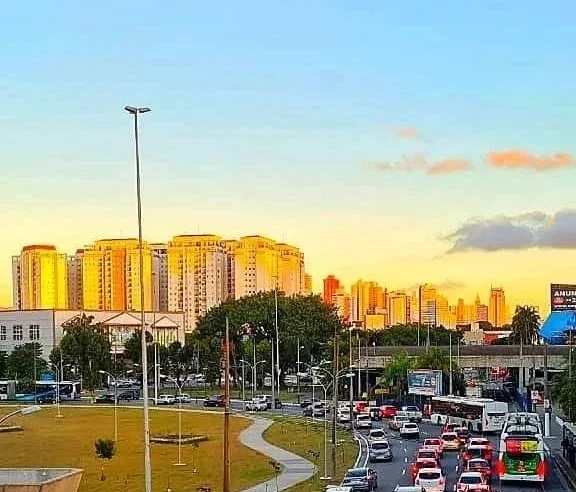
(562, 297)
(517, 446)
(425, 382)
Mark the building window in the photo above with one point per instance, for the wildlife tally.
(3, 333)
(34, 332)
(17, 333)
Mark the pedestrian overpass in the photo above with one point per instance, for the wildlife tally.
(477, 356)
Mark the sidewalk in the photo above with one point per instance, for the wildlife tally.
(553, 444)
(294, 468)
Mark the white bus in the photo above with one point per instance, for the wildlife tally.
(478, 414)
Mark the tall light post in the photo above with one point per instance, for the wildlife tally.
(57, 369)
(451, 376)
(180, 385)
(135, 111)
(115, 379)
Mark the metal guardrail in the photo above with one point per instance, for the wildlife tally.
(470, 350)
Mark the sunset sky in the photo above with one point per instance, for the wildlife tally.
(401, 142)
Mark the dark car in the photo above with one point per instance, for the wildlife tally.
(361, 479)
(106, 398)
(307, 401)
(46, 398)
(214, 401)
(278, 404)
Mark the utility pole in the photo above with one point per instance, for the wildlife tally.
(451, 377)
(334, 400)
(546, 392)
(226, 472)
(419, 312)
(351, 380)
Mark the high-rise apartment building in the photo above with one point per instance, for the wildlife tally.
(480, 310)
(197, 275)
(331, 287)
(423, 307)
(159, 276)
(398, 308)
(497, 313)
(290, 269)
(367, 298)
(342, 302)
(444, 316)
(111, 276)
(75, 282)
(40, 278)
(307, 284)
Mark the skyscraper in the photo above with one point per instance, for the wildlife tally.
(197, 275)
(307, 284)
(159, 276)
(341, 300)
(427, 303)
(290, 269)
(111, 275)
(398, 308)
(497, 313)
(331, 286)
(75, 282)
(40, 278)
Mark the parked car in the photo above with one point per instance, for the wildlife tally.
(214, 401)
(166, 400)
(257, 404)
(183, 398)
(432, 479)
(361, 479)
(410, 430)
(379, 450)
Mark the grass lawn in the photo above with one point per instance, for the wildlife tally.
(306, 438)
(48, 441)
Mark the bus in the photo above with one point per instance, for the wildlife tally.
(477, 414)
(521, 456)
(48, 391)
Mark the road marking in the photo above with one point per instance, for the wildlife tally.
(405, 460)
(405, 450)
(404, 471)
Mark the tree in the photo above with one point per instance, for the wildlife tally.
(133, 347)
(25, 362)
(439, 360)
(396, 372)
(525, 325)
(306, 319)
(86, 347)
(105, 450)
(410, 334)
(3, 365)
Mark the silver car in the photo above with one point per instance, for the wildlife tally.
(380, 451)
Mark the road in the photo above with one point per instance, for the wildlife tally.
(397, 472)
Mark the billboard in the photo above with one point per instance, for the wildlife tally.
(425, 382)
(562, 297)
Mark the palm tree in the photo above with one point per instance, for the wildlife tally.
(525, 325)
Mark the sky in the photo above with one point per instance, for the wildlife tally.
(402, 142)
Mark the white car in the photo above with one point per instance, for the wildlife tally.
(343, 417)
(413, 413)
(467, 479)
(410, 430)
(257, 405)
(431, 479)
(183, 398)
(363, 421)
(377, 434)
(166, 400)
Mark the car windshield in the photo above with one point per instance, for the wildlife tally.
(356, 473)
(469, 479)
(449, 437)
(410, 426)
(380, 445)
(377, 433)
(402, 419)
(432, 442)
(363, 417)
(477, 465)
(429, 475)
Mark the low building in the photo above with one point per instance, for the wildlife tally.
(46, 326)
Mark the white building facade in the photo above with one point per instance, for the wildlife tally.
(47, 327)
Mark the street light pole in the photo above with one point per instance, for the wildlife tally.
(115, 402)
(58, 412)
(451, 377)
(135, 111)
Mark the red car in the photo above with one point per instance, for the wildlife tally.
(423, 463)
(388, 411)
(480, 465)
(477, 451)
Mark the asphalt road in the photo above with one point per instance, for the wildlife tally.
(397, 472)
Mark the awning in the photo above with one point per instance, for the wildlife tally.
(555, 327)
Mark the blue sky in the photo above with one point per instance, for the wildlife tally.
(268, 118)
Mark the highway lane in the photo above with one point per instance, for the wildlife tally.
(397, 472)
